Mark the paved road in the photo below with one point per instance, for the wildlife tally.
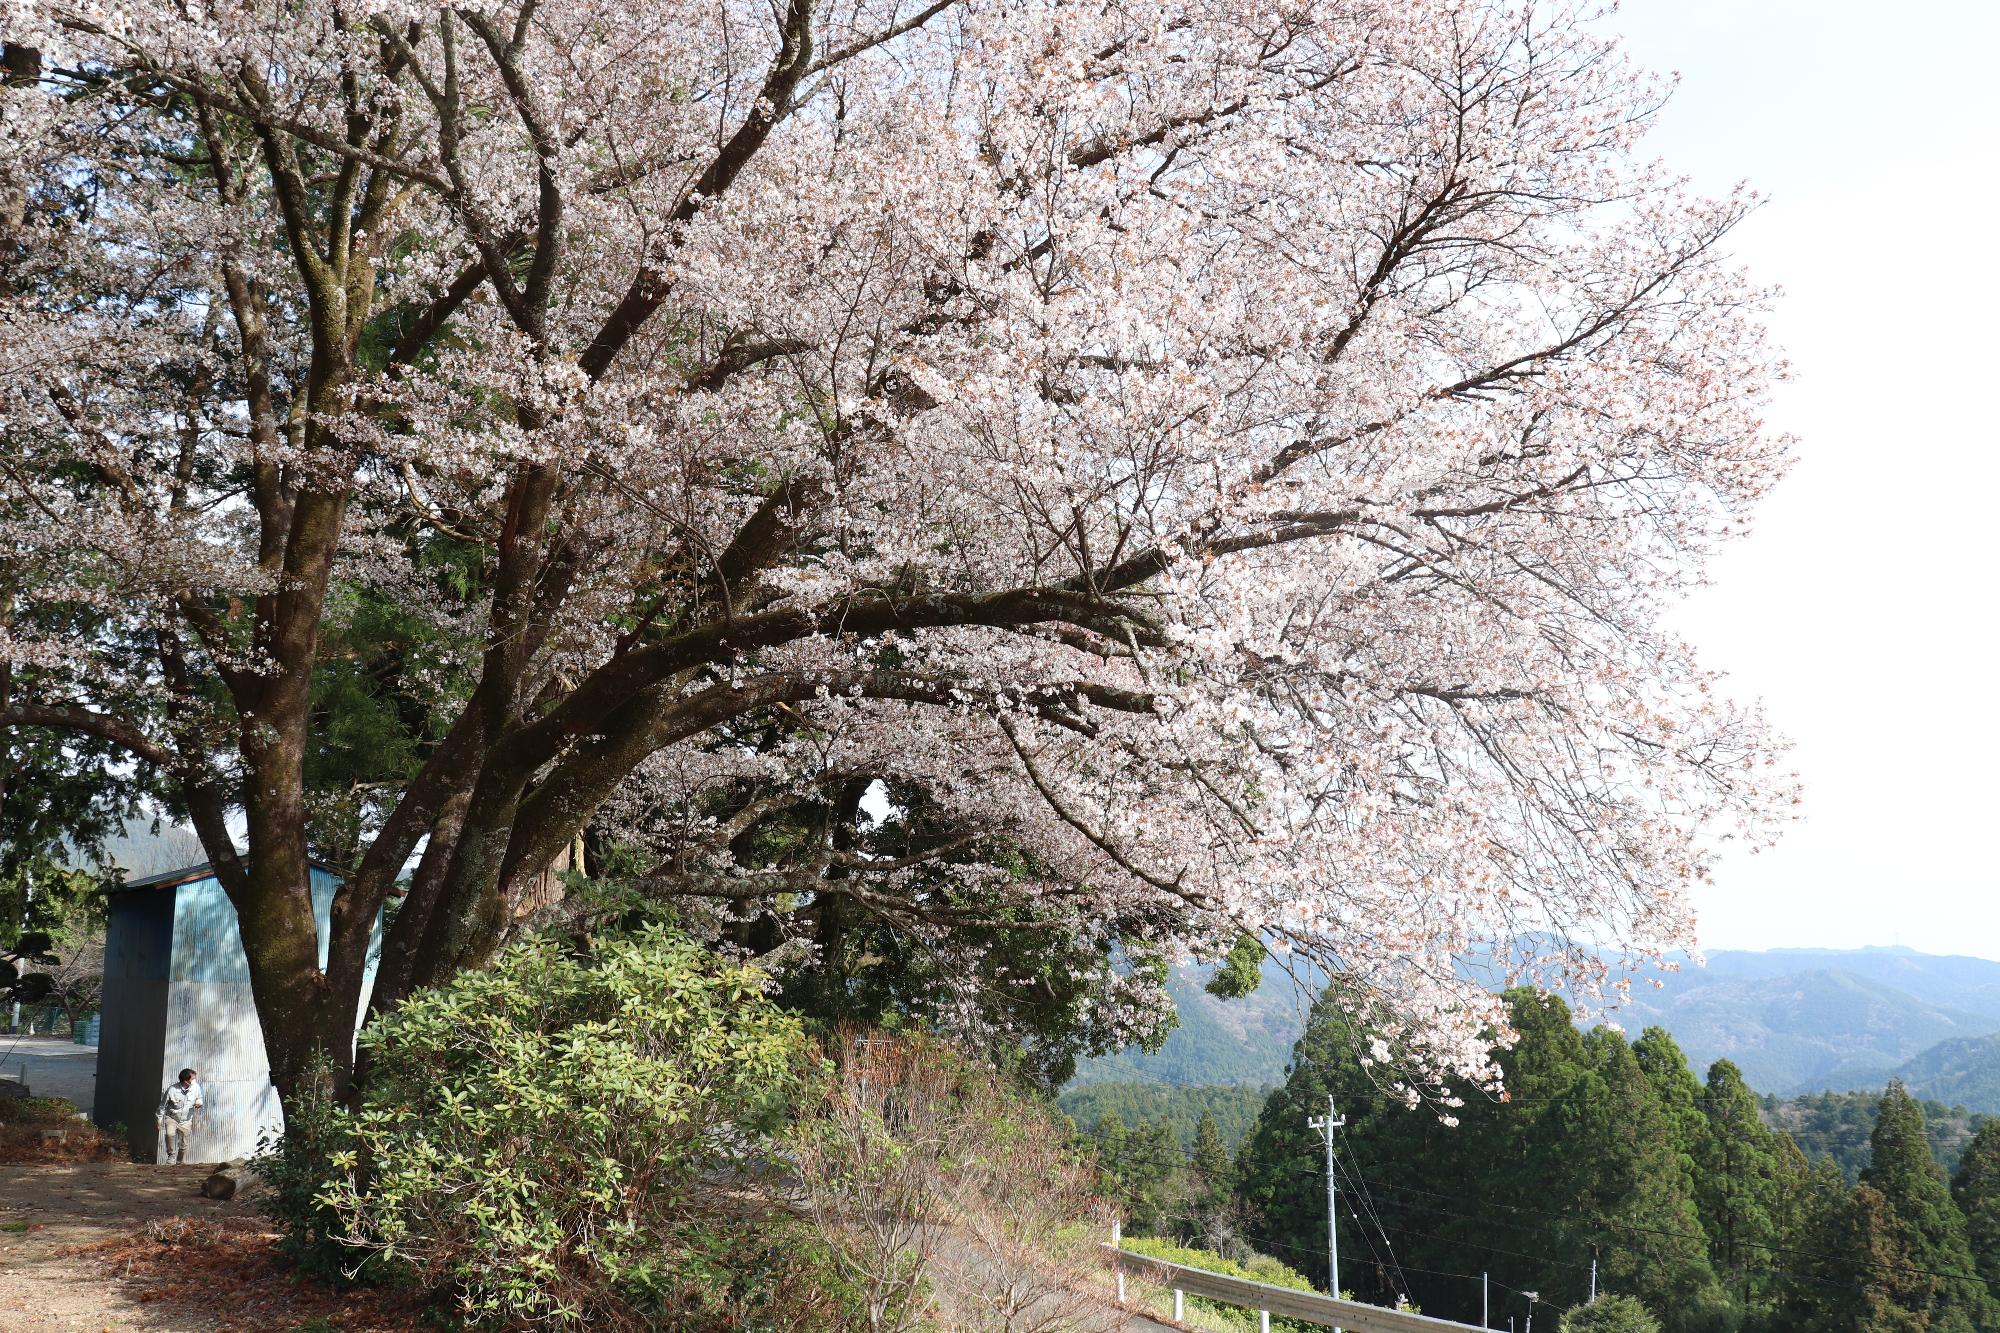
(55, 1067)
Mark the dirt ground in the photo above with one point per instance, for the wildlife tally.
(47, 1213)
(96, 1246)
(92, 1247)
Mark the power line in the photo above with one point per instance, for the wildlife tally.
(1594, 1227)
(1590, 1224)
(1546, 1261)
(1413, 1268)
(1368, 1201)
(1578, 1225)
(1681, 1235)
(1362, 1227)
(1627, 1247)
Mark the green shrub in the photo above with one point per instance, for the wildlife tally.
(37, 1111)
(561, 1140)
(1609, 1314)
(1257, 1268)
(294, 1169)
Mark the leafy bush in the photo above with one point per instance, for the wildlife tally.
(1609, 1314)
(1261, 1268)
(294, 1169)
(37, 1111)
(1258, 1268)
(559, 1140)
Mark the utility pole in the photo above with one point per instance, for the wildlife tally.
(1533, 1297)
(1326, 1125)
(1593, 1277)
(1484, 1322)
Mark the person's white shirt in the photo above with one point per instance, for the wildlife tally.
(179, 1103)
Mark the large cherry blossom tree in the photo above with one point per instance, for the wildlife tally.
(1207, 469)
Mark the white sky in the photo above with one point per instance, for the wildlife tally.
(1862, 608)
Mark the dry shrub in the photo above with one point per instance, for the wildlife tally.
(49, 1131)
(190, 1232)
(37, 1110)
(947, 1198)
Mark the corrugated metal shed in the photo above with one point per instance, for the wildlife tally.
(177, 995)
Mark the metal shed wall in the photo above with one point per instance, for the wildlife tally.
(193, 1010)
(138, 954)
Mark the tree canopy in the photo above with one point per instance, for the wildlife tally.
(1609, 1314)
(1206, 473)
(1976, 1191)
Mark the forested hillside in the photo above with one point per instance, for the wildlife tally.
(1837, 1125)
(1232, 1107)
(1605, 1152)
(1963, 1072)
(1795, 1021)
(1800, 1030)
(1948, 981)
(1234, 1041)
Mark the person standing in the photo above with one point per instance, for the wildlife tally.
(177, 1107)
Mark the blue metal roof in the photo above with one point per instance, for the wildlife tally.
(167, 879)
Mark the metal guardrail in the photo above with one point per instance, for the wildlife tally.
(1284, 1302)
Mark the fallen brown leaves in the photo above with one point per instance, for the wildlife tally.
(231, 1269)
(55, 1144)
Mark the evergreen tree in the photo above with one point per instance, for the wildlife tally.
(1689, 1202)
(1976, 1191)
(1895, 1296)
(1852, 1267)
(1279, 1170)
(1211, 1188)
(1797, 1187)
(1679, 1092)
(1574, 1149)
(1539, 1152)
(1634, 1187)
(1742, 1185)
(1143, 1162)
(1816, 1284)
(1928, 1226)
(1209, 1162)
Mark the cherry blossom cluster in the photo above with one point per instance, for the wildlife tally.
(1236, 458)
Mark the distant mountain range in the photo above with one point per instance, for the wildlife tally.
(1962, 1072)
(1794, 1020)
(1803, 1020)
(1950, 981)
